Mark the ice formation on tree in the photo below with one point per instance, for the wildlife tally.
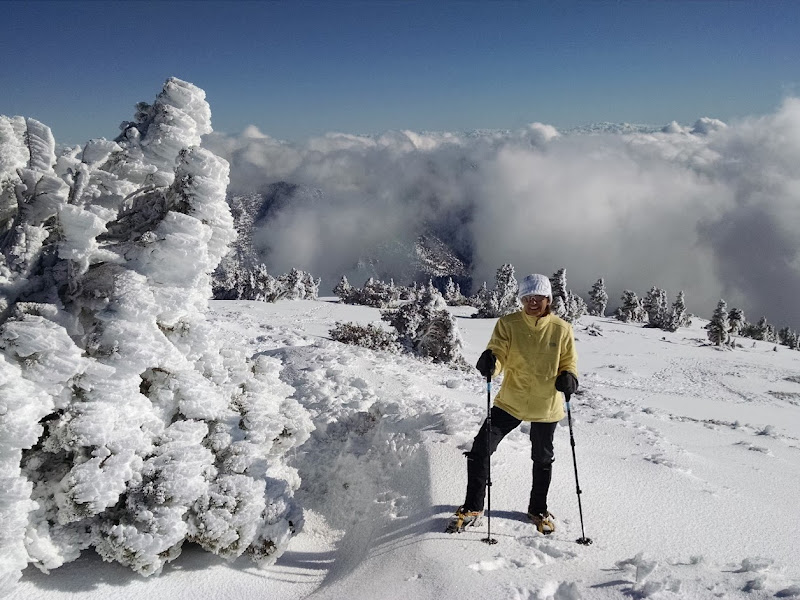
(502, 300)
(124, 425)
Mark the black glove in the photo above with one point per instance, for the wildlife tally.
(486, 363)
(567, 382)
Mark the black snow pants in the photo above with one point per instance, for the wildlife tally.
(482, 449)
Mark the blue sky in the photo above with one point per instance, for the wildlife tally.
(297, 69)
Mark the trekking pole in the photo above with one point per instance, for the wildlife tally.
(489, 539)
(583, 539)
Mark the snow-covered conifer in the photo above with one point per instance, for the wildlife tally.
(632, 309)
(678, 316)
(656, 306)
(736, 320)
(502, 300)
(139, 431)
(343, 289)
(507, 287)
(558, 281)
(598, 299)
(292, 286)
(452, 294)
(426, 328)
(718, 326)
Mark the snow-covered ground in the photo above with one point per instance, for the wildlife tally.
(688, 456)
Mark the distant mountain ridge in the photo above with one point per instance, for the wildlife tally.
(432, 254)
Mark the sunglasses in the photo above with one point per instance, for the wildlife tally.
(533, 299)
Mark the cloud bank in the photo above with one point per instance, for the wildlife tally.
(712, 209)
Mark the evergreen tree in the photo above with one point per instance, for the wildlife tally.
(343, 290)
(574, 307)
(598, 299)
(426, 328)
(126, 426)
(656, 306)
(632, 309)
(452, 293)
(762, 330)
(719, 326)
(737, 321)
(506, 287)
(503, 299)
(558, 283)
(678, 316)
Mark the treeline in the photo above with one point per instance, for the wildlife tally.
(726, 325)
(653, 309)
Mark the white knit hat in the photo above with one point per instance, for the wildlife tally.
(535, 285)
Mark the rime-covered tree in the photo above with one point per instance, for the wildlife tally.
(481, 297)
(558, 283)
(632, 309)
(452, 293)
(656, 306)
(787, 337)
(718, 326)
(426, 328)
(598, 299)
(678, 316)
(502, 300)
(126, 426)
(736, 321)
(761, 330)
(343, 289)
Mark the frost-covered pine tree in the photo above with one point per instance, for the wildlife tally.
(678, 316)
(481, 297)
(502, 300)
(506, 287)
(573, 307)
(343, 289)
(426, 328)
(558, 283)
(452, 293)
(598, 299)
(656, 306)
(310, 286)
(719, 326)
(632, 309)
(737, 321)
(126, 426)
(762, 330)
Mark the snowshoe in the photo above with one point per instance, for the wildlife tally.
(464, 518)
(544, 522)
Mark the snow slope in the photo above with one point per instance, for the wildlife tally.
(688, 456)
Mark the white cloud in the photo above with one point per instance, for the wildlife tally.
(712, 209)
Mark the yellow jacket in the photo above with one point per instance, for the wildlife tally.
(532, 352)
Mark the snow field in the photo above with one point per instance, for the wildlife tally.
(688, 462)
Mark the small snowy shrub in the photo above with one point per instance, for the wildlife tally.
(257, 284)
(125, 425)
(368, 336)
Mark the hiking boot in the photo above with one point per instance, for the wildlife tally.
(464, 518)
(544, 522)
